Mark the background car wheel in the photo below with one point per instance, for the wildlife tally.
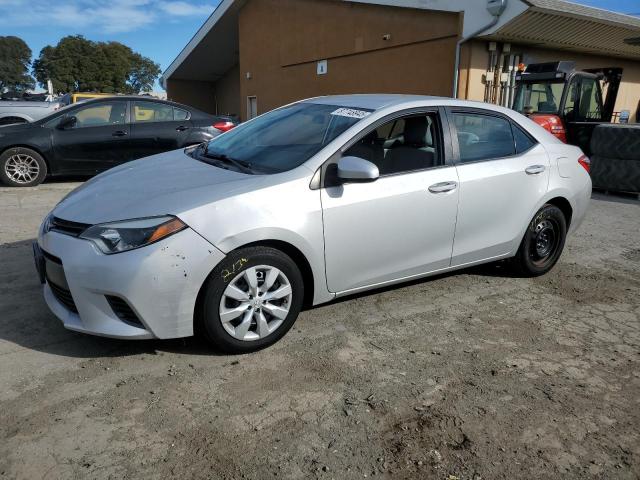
(22, 167)
(251, 300)
(542, 243)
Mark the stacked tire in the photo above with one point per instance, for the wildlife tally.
(615, 158)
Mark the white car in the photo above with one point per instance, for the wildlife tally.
(310, 202)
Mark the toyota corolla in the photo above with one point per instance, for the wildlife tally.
(309, 202)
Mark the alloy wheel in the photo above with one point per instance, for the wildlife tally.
(22, 168)
(255, 303)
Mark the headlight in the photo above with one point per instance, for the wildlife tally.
(126, 235)
(46, 223)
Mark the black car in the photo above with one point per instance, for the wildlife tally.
(89, 137)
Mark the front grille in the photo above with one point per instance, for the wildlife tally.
(63, 296)
(123, 311)
(67, 227)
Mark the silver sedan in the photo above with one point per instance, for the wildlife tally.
(310, 202)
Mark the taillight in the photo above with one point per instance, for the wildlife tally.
(224, 126)
(551, 123)
(585, 162)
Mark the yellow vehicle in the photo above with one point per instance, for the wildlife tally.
(80, 97)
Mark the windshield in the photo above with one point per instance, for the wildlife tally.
(538, 97)
(284, 138)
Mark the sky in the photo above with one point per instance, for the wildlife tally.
(157, 29)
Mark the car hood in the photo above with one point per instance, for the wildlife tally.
(169, 183)
(15, 128)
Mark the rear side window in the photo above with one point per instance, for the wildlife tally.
(152, 112)
(523, 141)
(483, 137)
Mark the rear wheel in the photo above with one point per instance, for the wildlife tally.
(22, 167)
(251, 300)
(542, 243)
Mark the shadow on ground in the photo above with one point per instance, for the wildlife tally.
(25, 319)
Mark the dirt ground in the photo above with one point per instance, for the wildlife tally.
(470, 375)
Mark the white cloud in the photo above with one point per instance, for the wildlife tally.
(185, 9)
(87, 16)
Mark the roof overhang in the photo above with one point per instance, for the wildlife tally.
(567, 26)
(213, 50)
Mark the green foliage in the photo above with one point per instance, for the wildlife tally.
(15, 58)
(76, 64)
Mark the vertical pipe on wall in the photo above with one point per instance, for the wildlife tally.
(496, 16)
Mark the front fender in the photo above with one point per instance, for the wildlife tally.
(286, 212)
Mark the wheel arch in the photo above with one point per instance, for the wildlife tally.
(565, 207)
(26, 119)
(300, 260)
(287, 248)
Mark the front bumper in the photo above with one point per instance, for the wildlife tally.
(160, 283)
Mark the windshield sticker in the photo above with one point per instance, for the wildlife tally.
(351, 113)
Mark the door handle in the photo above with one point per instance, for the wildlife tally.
(534, 169)
(119, 133)
(182, 128)
(443, 187)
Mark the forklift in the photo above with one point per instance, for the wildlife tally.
(567, 102)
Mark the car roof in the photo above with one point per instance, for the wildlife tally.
(141, 98)
(385, 100)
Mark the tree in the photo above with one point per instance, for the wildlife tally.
(76, 64)
(15, 59)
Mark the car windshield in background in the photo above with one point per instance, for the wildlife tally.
(284, 138)
(539, 97)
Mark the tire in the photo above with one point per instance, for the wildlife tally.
(261, 322)
(22, 167)
(542, 243)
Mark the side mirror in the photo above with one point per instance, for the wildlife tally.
(356, 169)
(67, 122)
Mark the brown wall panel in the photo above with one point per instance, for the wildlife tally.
(281, 41)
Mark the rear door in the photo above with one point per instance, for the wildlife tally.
(99, 139)
(158, 127)
(503, 174)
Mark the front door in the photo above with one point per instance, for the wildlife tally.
(400, 225)
(98, 140)
(583, 111)
(503, 175)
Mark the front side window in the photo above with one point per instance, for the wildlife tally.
(402, 145)
(483, 137)
(152, 112)
(285, 138)
(112, 113)
(538, 97)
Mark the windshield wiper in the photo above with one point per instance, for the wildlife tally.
(239, 164)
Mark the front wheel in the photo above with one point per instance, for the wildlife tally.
(22, 167)
(542, 243)
(251, 300)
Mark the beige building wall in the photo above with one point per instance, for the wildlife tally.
(227, 93)
(368, 48)
(475, 58)
(192, 92)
